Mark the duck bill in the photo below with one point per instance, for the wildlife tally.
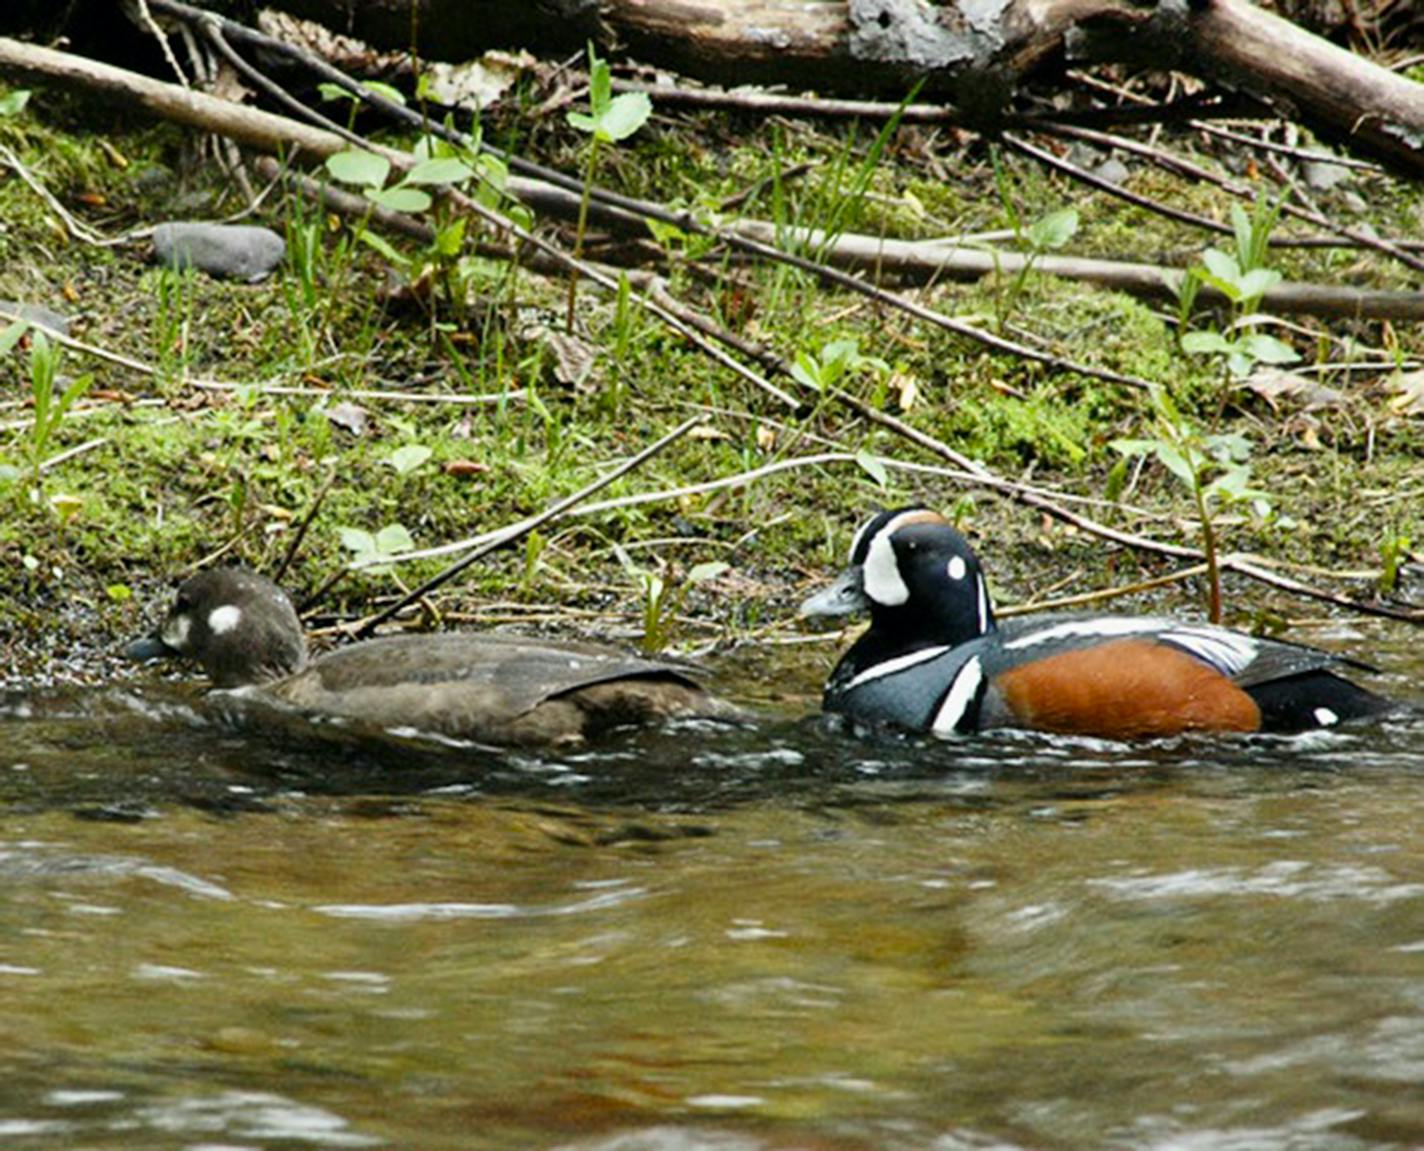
(148, 647)
(843, 597)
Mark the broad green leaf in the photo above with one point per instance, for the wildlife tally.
(1267, 349)
(451, 238)
(807, 371)
(359, 167)
(13, 103)
(711, 569)
(400, 198)
(1134, 447)
(12, 335)
(66, 506)
(407, 458)
(1175, 462)
(357, 540)
(335, 92)
(1205, 343)
(874, 467)
(582, 121)
(1222, 266)
(394, 538)
(1255, 283)
(625, 114)
(1053, 230)
(394, 95)
(442, 170)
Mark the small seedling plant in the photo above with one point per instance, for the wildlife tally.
(51, 401)
(610, 119)
(1243, 278)
(1214, 467)
(1048, 233)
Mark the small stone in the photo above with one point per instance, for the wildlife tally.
(37, 314)
(227, 251)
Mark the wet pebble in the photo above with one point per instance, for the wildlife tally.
(37, 313)
(227, 251)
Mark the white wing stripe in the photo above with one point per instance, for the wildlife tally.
(899, 663)
(957, 700)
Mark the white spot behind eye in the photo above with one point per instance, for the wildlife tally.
(956, 568)
(175, 631)
(222, 620)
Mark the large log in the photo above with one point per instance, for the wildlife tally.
(973, 52)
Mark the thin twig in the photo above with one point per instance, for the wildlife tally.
(525, 526)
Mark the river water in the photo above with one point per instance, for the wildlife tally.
(706, 939)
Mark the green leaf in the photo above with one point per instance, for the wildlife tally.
(13, 103)
(1117, 478)
(357, 540)
(443, 170)
(807, 372)
(701, 573)
(624, 115)
(380, 244)
(1222, 266)
(394, 95)
(335, 92)
(1175, 462)
(359, 167)
(1255, 283)
(394, 538)
(1053, 230)
(409, 457)
(400, 198)
(1241, 226)
(1134, 447)
(600, 82)
(451, 238)
(1205, 343)
(12, 335)
(582, 121)
(119, 592)
(874, 467)
(1267, 349)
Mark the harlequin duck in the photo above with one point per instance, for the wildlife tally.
(487, 688)
(934, 659)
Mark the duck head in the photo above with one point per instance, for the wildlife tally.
(239, 625)
(916, 575)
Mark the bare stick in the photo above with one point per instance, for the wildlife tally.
(524, 527)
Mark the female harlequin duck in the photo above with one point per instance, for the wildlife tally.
(934, 659)
(489, 688)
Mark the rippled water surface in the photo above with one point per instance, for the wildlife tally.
(705, 940)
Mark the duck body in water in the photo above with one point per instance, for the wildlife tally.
(935, 659)
(496, 689)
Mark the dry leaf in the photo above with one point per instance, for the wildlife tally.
(1276, 384)
(766, 438)
(1408, 389)
(349, 417)
(465, 469)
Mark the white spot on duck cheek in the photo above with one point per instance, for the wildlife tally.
(882, 581)
(175, 631)
(1325, 717)
(222, 620)
(956, 568)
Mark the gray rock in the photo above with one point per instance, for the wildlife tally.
(228, 251)
(36, 313)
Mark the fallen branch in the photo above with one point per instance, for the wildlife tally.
(924, 260)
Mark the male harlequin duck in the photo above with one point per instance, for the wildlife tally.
(934, 659)
(488, 688)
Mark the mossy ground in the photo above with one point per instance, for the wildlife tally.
(177, 473)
